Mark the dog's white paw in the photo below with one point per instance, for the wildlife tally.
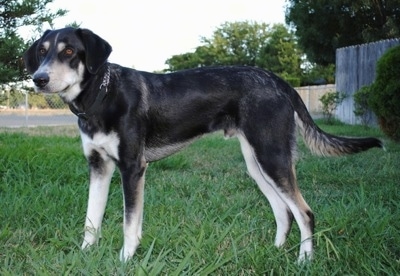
(305, 257)
(126, 254)
(85, 244)
(91, 237)
(128, 249)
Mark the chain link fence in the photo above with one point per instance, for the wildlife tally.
(21, 106)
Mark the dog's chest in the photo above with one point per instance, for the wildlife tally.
(105, 144)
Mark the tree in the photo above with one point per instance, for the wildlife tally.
(323, 26)
(13, 15)
(245, 43)
(280, 54)
(232, 43)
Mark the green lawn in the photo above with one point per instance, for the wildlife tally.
(203, 214)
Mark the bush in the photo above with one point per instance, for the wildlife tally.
(293, 81)
(361, 108)
(330, 102)
(384, 98)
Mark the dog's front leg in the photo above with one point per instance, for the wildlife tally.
(101, 172)
(133, 191)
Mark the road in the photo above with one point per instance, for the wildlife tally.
(13, 120)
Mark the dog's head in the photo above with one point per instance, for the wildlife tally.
(59, 60)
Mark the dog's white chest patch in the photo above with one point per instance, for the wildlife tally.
(105, 144)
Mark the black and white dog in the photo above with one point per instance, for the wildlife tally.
(129, 118)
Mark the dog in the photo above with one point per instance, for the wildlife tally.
(129, 118)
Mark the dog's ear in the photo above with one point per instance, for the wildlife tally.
(97, 50)
(30, 57)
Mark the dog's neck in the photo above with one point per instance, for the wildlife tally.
(106, 79)
(103, 89)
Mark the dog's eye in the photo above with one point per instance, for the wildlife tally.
(42, 51)
(68, 51)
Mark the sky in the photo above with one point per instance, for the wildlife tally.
(144, 34)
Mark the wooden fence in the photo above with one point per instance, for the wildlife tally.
(311, 95)
(355, 68)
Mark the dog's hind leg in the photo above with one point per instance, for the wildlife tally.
(101, 172)
(282, 213)
(133, 190)
(275, 175)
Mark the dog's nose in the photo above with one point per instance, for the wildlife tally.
(41, 79)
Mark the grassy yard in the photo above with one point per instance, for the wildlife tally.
(203, 214)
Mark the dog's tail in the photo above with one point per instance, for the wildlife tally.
(322, 143)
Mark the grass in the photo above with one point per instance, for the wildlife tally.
(203, 214)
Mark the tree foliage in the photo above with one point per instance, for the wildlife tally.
(323, 26)
(315, 74)
(231, 43)
(280, 54)
(15, 14)
(245, 43)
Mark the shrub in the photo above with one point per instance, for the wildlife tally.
(293, 81)
(384, 98)
(361, 108)
(330, 102)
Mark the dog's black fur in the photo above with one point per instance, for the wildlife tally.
(130, 118)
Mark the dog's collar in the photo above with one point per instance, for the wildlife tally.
(103, 89)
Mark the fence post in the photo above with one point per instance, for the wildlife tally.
(26, 109)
